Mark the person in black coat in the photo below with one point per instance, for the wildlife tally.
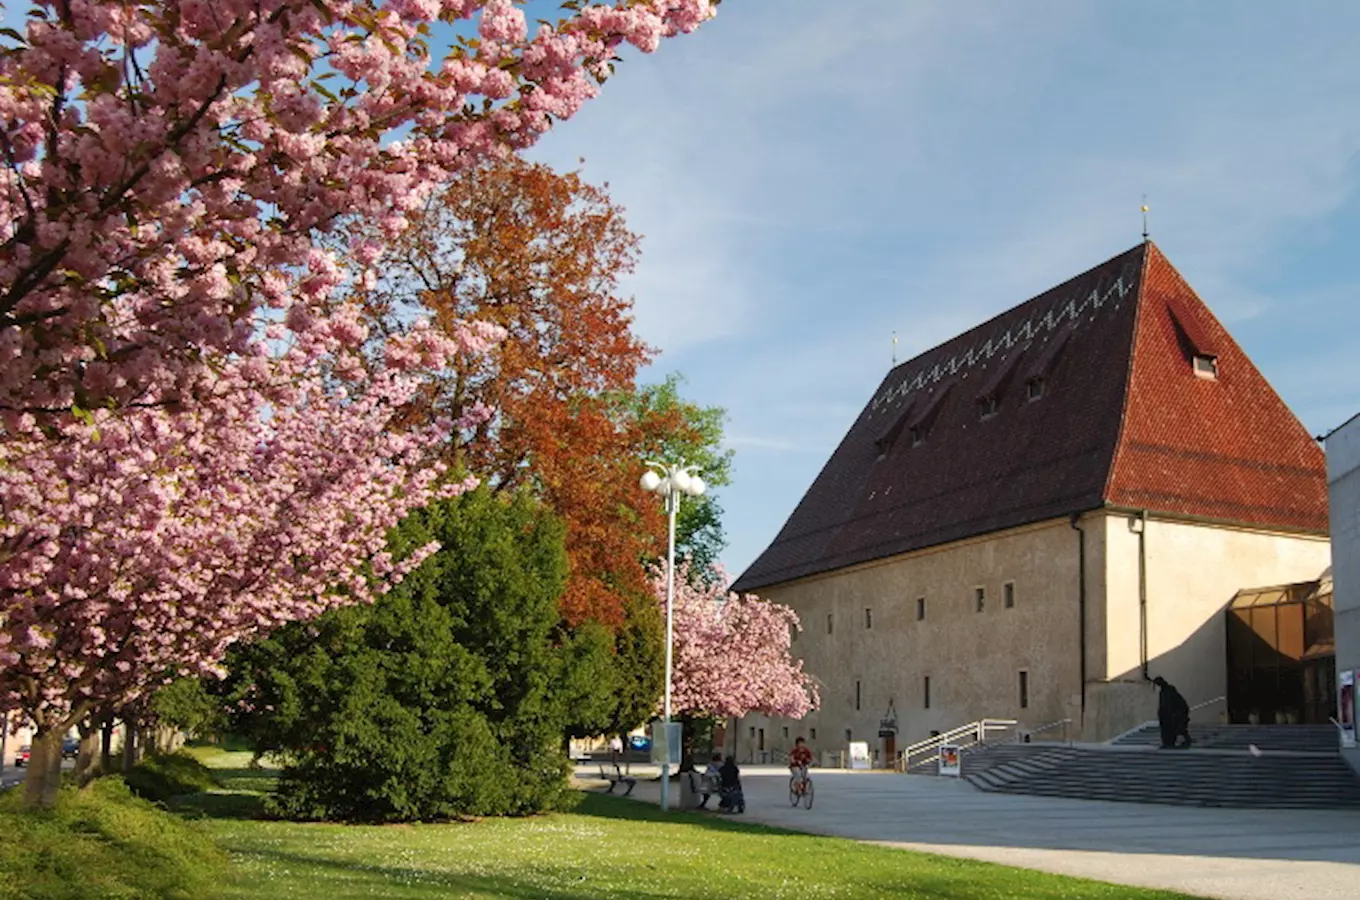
(1173, 714)
(733, 800)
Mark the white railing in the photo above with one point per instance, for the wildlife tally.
(1208, 703)
(1022, 737)
(964, 735)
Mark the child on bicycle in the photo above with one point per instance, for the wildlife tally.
(800, 757)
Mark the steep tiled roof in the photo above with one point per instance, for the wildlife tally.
(1082, 397)
(1226, 449)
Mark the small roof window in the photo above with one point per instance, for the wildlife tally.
(1206, 366)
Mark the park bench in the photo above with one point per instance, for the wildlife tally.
(615, 776)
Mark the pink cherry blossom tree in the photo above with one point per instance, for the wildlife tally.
(143, 544)
(166, 166)
(194, 431)
(732, 652)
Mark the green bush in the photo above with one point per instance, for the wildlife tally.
(450, 696)
(103, 842)
(171, 775)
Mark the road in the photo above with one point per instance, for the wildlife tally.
(13, 775)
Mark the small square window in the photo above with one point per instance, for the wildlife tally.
(988, 407)
(868, 618)
(813, 733)
(849, 735)
(980, 598)
(925, 692)
(1024, 689)
(920, 609)
(828, 623)
(1206, 367)
(1008, 595)
(1034, 389)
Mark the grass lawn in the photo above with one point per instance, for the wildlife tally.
(608, 847)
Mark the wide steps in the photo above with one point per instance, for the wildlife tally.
(1176, 777)
(1288, 738)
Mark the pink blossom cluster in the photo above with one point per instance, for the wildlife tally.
(166, 166)
(732, 652)
(138, 546)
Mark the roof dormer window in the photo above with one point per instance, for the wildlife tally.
(1034, 389)
(918, 436)
(988, 407)
(1206, 366)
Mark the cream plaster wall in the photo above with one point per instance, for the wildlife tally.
(973, 659)
(1343, 480)
(1192, 571)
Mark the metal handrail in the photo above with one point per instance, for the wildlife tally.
(1209, 702)
(976, 730)
(1042, 728)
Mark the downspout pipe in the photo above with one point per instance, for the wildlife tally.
(1141, 527)
(1081, 609)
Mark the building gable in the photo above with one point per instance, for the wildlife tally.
(1218, 443)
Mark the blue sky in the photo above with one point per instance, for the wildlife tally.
(810, 176)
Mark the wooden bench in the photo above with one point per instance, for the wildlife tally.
(615, 776)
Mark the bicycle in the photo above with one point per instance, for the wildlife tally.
(800, 788)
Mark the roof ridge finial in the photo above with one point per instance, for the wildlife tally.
(1145, 219)
(894, 355)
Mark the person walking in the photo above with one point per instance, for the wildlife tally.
(1173, 715)
(733, 800)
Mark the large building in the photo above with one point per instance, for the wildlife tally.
(1030, 520)
(1343, 474)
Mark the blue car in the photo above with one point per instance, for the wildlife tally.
(640, 742)
(70, 748)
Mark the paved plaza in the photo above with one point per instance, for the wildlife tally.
(1220, 853)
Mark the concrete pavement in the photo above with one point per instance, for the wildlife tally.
(1220, 853)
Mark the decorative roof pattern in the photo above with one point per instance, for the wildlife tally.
(1120, 419)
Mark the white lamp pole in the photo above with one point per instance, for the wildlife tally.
(670, 482)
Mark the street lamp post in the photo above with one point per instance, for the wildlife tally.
(670, 482)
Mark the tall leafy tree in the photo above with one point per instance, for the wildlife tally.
(678, 430)
(539, 254)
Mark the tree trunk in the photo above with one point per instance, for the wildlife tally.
(129, 746)
(87, 758)
(43, 780)
(106, 742)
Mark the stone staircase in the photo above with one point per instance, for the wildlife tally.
(1288, 738)
(1135, 770)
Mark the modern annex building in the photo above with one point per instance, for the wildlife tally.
(1031, 519)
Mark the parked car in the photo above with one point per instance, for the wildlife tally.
(21, 758)
(640, 742)
(70, 748)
